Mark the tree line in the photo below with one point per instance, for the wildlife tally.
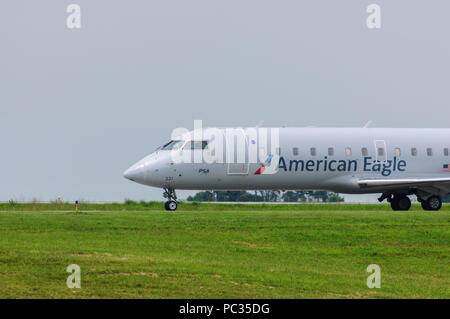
(266, 196)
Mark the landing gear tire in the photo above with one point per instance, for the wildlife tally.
(394, 204)
(424, 205)
(171, 205)
(432, 203)
(401, 203)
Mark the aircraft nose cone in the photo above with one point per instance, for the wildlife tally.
(133, 173)
(128, 174)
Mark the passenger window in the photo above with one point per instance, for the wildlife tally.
(295, 151)
(414, 151)
(364, 151)
(397, 152)
(196, 145)
(313, 151)
(348, 151)
(330, 151)
(380, 151)
(429, 151)
(446, 151)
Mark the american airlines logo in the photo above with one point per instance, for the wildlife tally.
(262, 168)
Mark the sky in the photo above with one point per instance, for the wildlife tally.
(79, 106)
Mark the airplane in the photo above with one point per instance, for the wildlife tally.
(394, 162)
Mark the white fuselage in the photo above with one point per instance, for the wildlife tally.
(333, 159)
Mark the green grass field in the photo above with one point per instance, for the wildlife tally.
(223, 251)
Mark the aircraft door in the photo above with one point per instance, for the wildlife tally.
(236, 152)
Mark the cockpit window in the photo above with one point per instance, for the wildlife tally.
(196, 145)
(172, 145)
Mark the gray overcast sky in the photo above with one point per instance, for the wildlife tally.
(79, 106)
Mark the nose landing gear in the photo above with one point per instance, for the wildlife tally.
(171, 204)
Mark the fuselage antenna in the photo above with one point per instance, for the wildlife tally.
(368, 124)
